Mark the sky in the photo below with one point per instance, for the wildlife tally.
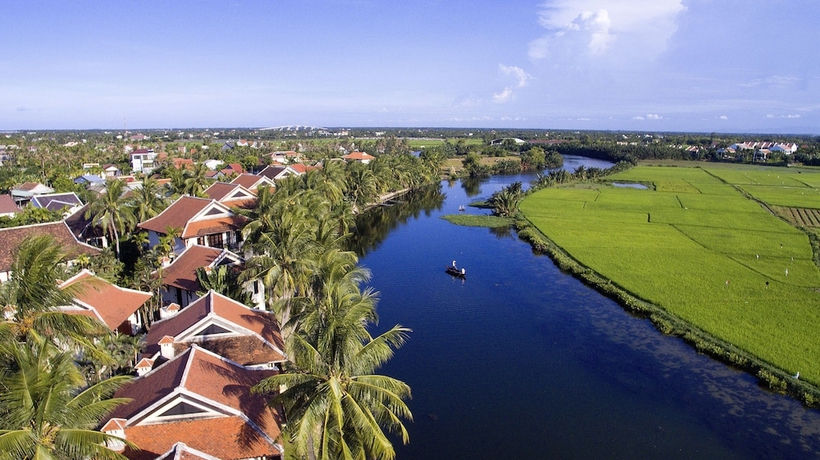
(645, 65)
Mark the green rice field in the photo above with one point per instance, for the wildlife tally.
(698, 246)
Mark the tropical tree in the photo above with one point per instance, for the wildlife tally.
(223, 280)
(110, 212)
(147, 201)
(46, 411)
(196, 180)
(505, 202)
(337, 407)
(32, 299)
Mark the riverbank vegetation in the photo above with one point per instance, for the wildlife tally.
(701, 256)
(474, 220)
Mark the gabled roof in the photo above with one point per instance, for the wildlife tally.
(182, 271)
(7, 205)
(82, 227)
(12, 237)
(202, 400)
(192, 216)
(30, 186)
(56, 201)
(231, 194)
(278, 172)
(252, 181)
(239, 333)
(181, 451)
(302, 168)
(358, 156)
(100, 299)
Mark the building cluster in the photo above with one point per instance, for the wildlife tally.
(202, 355)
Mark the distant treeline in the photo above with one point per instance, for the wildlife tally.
(631, 153)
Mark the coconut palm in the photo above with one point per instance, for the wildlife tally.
(337, 407)
(110, 213)
(223, 280)
(147, 201)
(31, 297)
(44, 411)
(196, 180)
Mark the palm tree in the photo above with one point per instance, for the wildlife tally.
(147, 201)
(32, 297)
(336, 405)
(110, 213)
(44, 411)
(196, 180)
(223, 280)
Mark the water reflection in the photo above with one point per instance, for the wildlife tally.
(523, 361)
(373, 226)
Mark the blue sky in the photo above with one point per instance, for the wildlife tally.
(653, 65)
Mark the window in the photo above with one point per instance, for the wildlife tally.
(215, 241)
(213, 329)
(182, 408)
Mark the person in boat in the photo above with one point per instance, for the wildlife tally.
(454, 264)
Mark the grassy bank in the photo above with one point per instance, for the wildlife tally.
(700, 256)
(473, 220)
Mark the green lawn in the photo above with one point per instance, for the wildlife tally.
(700, 249)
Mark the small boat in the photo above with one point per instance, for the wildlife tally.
(452, 270)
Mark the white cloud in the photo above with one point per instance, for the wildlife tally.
(518, 73)
(503, 96)
(649, 116)
(723, 117)
(603, 27)
(795, 115)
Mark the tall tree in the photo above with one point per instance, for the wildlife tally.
(32, 298)
(45, 410)
(147, 201)
(110, 212)
(336, 405)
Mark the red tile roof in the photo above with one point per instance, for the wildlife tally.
(180, 451)
(12, 237)
(182, 271)
(110, 303)
(358, 156)
(232, 195)
(7, 205)
(252, 181)
(27, 186)
(176, 215)
(213, 381)
(212, 226)
(261, 341)
(302, 168)
(183, 210)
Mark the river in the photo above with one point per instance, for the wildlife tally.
(522, 361)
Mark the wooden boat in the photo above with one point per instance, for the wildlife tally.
(455, 271)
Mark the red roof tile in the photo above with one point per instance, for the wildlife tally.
(263, 343)
(110, 303)
(12, 237)
(211, 226)
(252, 181)
(358, 156)
(176, 215)
(182, 271)
(214, 381)
(7, 205)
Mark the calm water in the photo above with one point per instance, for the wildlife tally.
(521, 361)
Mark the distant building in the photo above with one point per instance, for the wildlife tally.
(142, 160)
(23, 193)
